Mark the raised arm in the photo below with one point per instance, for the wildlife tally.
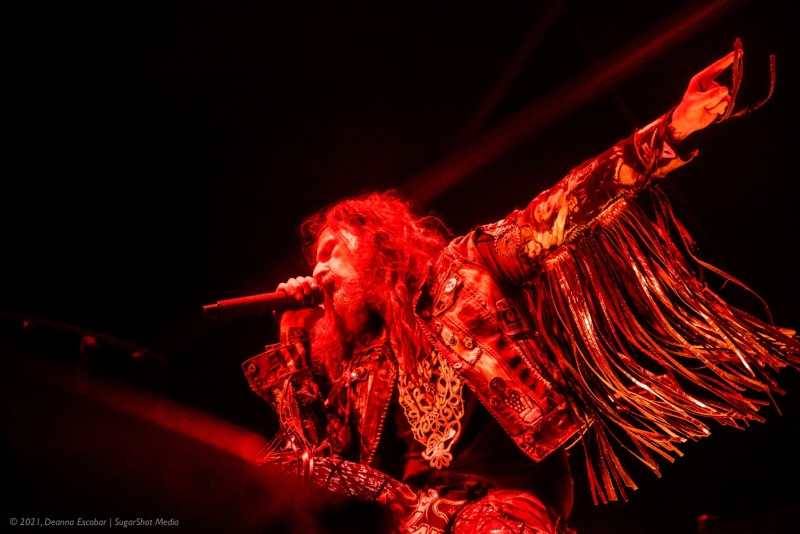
(515, 246)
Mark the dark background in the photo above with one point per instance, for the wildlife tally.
(159, 157)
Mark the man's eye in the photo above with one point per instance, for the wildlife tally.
(325, 253)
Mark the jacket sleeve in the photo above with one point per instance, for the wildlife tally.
(515, 247)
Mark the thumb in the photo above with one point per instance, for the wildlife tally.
(715, 96)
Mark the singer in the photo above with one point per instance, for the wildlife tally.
(446, 377)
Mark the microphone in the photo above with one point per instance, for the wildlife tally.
(258, 304)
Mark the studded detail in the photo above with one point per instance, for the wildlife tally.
(449, 337)
(357, 374)
(446, 294)
(450, 285)
(497, 384)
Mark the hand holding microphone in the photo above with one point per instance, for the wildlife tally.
(301, 288)
(295, 294)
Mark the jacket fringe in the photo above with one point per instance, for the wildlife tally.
(649, 354)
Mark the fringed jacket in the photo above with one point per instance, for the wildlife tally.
(581, 318)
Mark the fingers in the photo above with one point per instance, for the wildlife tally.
(719, 108)
(298, 287)
(716, 68)
(717, 97)
(704, 80)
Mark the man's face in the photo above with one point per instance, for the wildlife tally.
(334, 255)
(341, 282)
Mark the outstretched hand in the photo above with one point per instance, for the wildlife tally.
(704, 100)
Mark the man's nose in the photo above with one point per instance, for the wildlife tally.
(320, 269)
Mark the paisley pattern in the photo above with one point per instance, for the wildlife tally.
(433, 405)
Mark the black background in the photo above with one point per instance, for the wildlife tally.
(159, 157)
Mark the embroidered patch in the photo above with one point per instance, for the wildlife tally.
(507, 239)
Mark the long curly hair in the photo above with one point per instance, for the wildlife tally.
(394, 248)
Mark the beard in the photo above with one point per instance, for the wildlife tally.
(333, 335)
(328, 347)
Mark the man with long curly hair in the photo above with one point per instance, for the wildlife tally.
(446, 377)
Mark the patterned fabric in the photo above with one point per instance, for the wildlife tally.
(420, 512)
(432, 514)
(506, 512)
(434, 406)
